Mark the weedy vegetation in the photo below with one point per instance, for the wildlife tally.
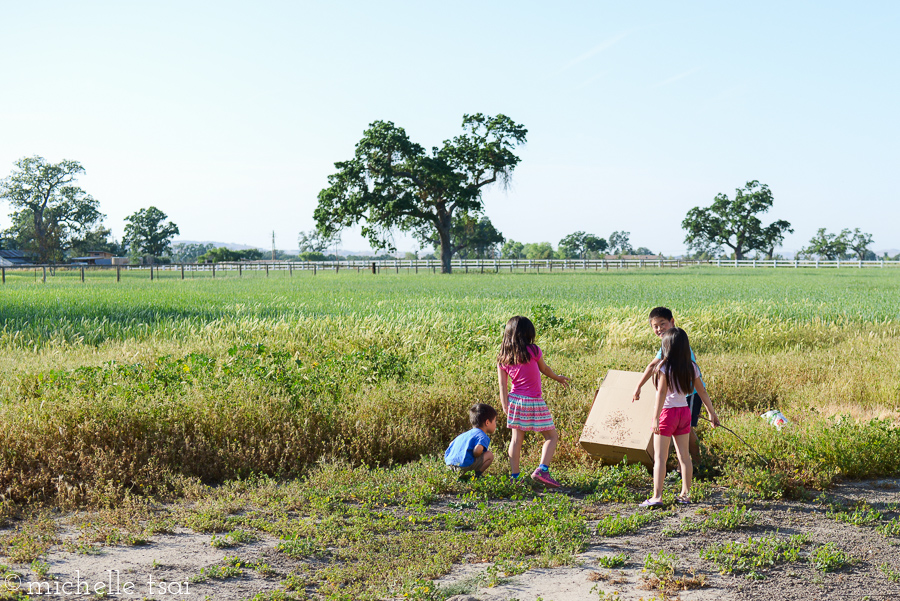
(312, 409)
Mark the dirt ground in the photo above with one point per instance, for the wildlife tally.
(168, 566)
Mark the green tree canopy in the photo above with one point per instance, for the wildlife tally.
(50, 212)
(145, 232)
(734, 223)
(580, 245)
(189, 252)
(513, 250)
(223, 254)
(95, 239)
(857, 241)
(619, 243)
(539, 250)
(472, 237)
(393, 183)
(823, 244)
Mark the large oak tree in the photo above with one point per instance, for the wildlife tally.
(392, 183)
(50, 212)
(734, 223)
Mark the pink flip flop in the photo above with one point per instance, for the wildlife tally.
(649, 503)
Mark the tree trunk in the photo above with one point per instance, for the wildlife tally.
(443, 229)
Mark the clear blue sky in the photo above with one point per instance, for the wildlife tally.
(229, 116)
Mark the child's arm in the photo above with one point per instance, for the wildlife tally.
(503, 377)
(477, 451)
(662, 388)
(545, 369)
(647, 373)
(707, 402)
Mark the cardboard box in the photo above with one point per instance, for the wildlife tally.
(617, 428)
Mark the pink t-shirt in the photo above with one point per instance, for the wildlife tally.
(525, 378)
(674, 397)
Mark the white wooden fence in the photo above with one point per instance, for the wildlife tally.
(186, 270)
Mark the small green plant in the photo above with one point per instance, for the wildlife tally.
(861, 515)
(82, 548)
(891, 528)
(755, 555)
(890, 573)
(604, 596)
(299, 547)
(233, 539)
(230, 568)
(617, 524)
(40, 568)
(421, 590)
(729, 518)
(613, 561)
(498, 573)
(829, 558)
(662, 565)
(263, 569)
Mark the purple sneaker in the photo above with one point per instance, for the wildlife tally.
(544, 478)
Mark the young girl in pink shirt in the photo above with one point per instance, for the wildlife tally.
(675, 377)
(521, 363)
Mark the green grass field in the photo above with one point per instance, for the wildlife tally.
(136, 385)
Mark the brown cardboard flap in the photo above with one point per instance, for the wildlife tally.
(616, 427)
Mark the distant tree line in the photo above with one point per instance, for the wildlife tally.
(734, 223)
(392, 184)
(53, 219)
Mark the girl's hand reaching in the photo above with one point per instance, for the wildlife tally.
(714, 420)
(563, 380)
(655, 426)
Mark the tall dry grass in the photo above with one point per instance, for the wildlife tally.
(386, 377)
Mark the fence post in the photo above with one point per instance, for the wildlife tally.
(860, 263)
(82, 275)
(373, 268)
(267, 270)
(314, 269)
(839, 263)
(151, 272)
(3, 269)
(182, 271)
(118, 273)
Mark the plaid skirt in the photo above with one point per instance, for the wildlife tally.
(526, 413)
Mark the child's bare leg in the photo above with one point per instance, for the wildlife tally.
(694, 448)
(684, 459)
(551, 439)
(660, 454)
(515, 450)
(486, 462)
